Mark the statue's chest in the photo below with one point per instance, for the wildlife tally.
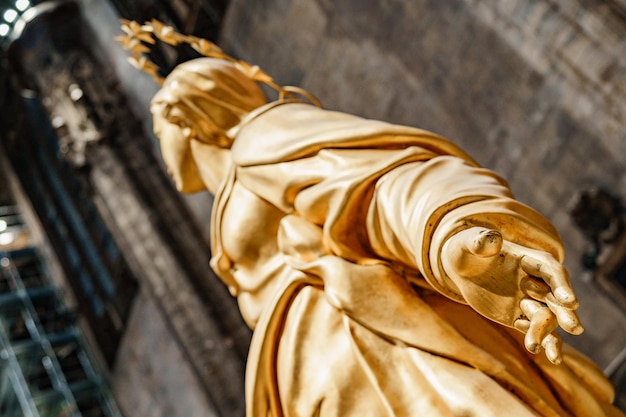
(248, 228)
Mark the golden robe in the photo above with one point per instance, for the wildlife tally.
(329, 229)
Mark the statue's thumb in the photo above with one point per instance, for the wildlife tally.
(468, 253)
(484, 242)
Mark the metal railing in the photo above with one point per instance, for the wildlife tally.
(45, 369)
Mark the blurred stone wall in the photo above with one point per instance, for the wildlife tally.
(534, 90)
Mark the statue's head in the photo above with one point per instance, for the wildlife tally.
(201, 102)
(207, 97)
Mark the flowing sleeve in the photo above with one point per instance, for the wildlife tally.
(417, 207)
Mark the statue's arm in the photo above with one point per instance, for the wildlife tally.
(473, 242)
(410, 207)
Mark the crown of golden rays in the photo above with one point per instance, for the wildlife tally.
(137, 38)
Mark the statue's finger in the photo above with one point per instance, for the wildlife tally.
(568, 319)
(535, 289)
(522, 324)
(553, 345)
(554, 274)
(542, 323)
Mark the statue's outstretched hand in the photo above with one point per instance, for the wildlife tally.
(513, 285)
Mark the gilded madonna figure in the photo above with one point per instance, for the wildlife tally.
(383, 271)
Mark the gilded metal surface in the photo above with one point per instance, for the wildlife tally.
(382, 270)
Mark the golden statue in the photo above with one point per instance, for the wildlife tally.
(383, 271)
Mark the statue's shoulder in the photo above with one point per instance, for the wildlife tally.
(289, 130)
(281, 132)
